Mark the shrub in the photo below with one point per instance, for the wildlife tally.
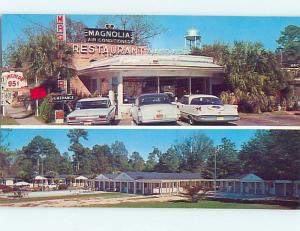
(6, 188)
(62, 187)
(196, 193)
(46, 111)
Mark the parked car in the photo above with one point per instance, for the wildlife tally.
(154, 108)
(92, 111)
(206, 108)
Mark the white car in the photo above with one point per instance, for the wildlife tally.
(206, 108)
(154, 108)
(92, 111)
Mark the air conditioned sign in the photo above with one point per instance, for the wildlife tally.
(13, 80)
(108, 36)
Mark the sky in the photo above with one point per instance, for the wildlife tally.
(140, 140)
(212, 28)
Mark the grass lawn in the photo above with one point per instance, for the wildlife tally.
(200, 204)
(7, 121)
(103, 195)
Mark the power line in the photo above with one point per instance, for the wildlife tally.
(35, 23)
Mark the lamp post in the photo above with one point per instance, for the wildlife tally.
(42, 158)
(215, 170)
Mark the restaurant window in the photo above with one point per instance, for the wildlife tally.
(174, 86)
(198, 86)
(133, 87)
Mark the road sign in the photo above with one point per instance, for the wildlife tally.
(6, 97)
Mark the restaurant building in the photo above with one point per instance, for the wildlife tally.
(125, 71)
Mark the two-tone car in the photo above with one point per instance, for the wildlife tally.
(92, 111)
(154, 108)
(206, 108)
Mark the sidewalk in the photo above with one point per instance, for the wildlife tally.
(21, 116)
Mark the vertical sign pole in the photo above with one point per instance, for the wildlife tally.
(36, 101)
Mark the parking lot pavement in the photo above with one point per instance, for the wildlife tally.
(267, 119)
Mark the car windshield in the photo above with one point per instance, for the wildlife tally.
(92, 104)
(154, 99)
(206, 101)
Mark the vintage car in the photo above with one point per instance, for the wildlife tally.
(206, 108)
(154, 108)
(92, 111)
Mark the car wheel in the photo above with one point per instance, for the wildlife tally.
(191, 120)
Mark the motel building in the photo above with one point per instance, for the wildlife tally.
(148, 183)
(122, 72)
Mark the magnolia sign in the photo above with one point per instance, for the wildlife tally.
(108, 35)
(13, 80)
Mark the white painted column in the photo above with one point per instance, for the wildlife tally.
(227, 186)
(233, 186)
(114, 185)
(158, 84)
(190, 85)
(143, 188)
(284, 189)
(263, 188)
(134, 187)
(254, 187)
(127, 187)
(209, 86)
(160, 188)
(120, 94)
(241, 189)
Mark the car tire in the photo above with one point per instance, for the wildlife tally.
(191, 120)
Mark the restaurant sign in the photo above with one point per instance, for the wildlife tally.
(104, 35)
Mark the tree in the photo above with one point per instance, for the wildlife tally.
(226, 159)
(101, 159)
(80, 153)
(272, 154)
(193, 152)
(136, 162)
(289, 41)
(119, 156)
(40, 152)
(144, 29)
(168, 161)
(253, 76)
(65, 165)
(41, 56)
(152, 159)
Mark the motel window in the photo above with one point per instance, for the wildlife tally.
(133, 87)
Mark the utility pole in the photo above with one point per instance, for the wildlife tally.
(1, 64)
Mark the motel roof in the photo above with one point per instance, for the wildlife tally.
(245, 177)
(158, 176)
(129, 62)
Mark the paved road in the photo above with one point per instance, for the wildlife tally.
(21, 116)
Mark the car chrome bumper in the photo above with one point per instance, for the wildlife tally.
(168, 120)
(88, 122)
(216, 118)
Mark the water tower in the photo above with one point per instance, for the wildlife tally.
(192, 39)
